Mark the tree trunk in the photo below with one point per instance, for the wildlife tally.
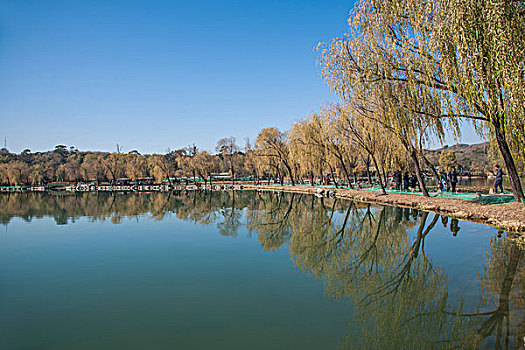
(367, 162)
(345, 170)
(379, 175)
(333, 177)
(413, 155)
(289, 172)
(355, 180)
(432, 168)
(232, 169)
(517, 190)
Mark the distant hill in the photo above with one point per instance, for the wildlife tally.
(472, 157)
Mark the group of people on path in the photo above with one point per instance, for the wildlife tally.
(404, 181)
(449, 181)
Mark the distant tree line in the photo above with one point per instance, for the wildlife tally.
(315, 150)
(72, 165)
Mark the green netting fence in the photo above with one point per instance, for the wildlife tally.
(474, 197)
(469, 196)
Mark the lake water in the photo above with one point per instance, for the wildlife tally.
(250, 270)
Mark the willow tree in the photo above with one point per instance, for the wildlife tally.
(113, 165)
(307, 147)
(205, 164)
(187, 165)
(342, 148)
(250, 160)
(361, 68)
(447, 160)
(389, 153)
(70, 170)
(92, 167)
(365, 133)
(466, 54)
(269, 167)
(271, 143)
(159, 167)
(482, 52)
(16, 172)
(36, 174)
(136, 166)
(318, 145)
(404, 113)
(4, 178)
(321, 142)
(227, 149)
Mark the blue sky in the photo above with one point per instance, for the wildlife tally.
(149, 75)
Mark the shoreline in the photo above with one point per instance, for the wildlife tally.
(508, 217)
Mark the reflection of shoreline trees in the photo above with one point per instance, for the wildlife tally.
(201, 207)
(367, 257)
(364, 255)
(373, 257)
(68, 208)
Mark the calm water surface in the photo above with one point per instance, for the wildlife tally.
(251, 270)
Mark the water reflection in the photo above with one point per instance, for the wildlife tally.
(373, 257)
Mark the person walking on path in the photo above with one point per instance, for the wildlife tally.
(453, 178)
(413, 181)
(397, 179)
(406, 180)
(499, 180)
(443, 177)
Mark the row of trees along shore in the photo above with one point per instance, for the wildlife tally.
(285, 156)
(406, 72)
(410, 70)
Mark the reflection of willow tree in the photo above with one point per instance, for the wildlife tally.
(366, 255)
(274, 216)
(231, 217)
(208, 207)
(400, 296)
(199, 208)
(503, 284)
(270, 217)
